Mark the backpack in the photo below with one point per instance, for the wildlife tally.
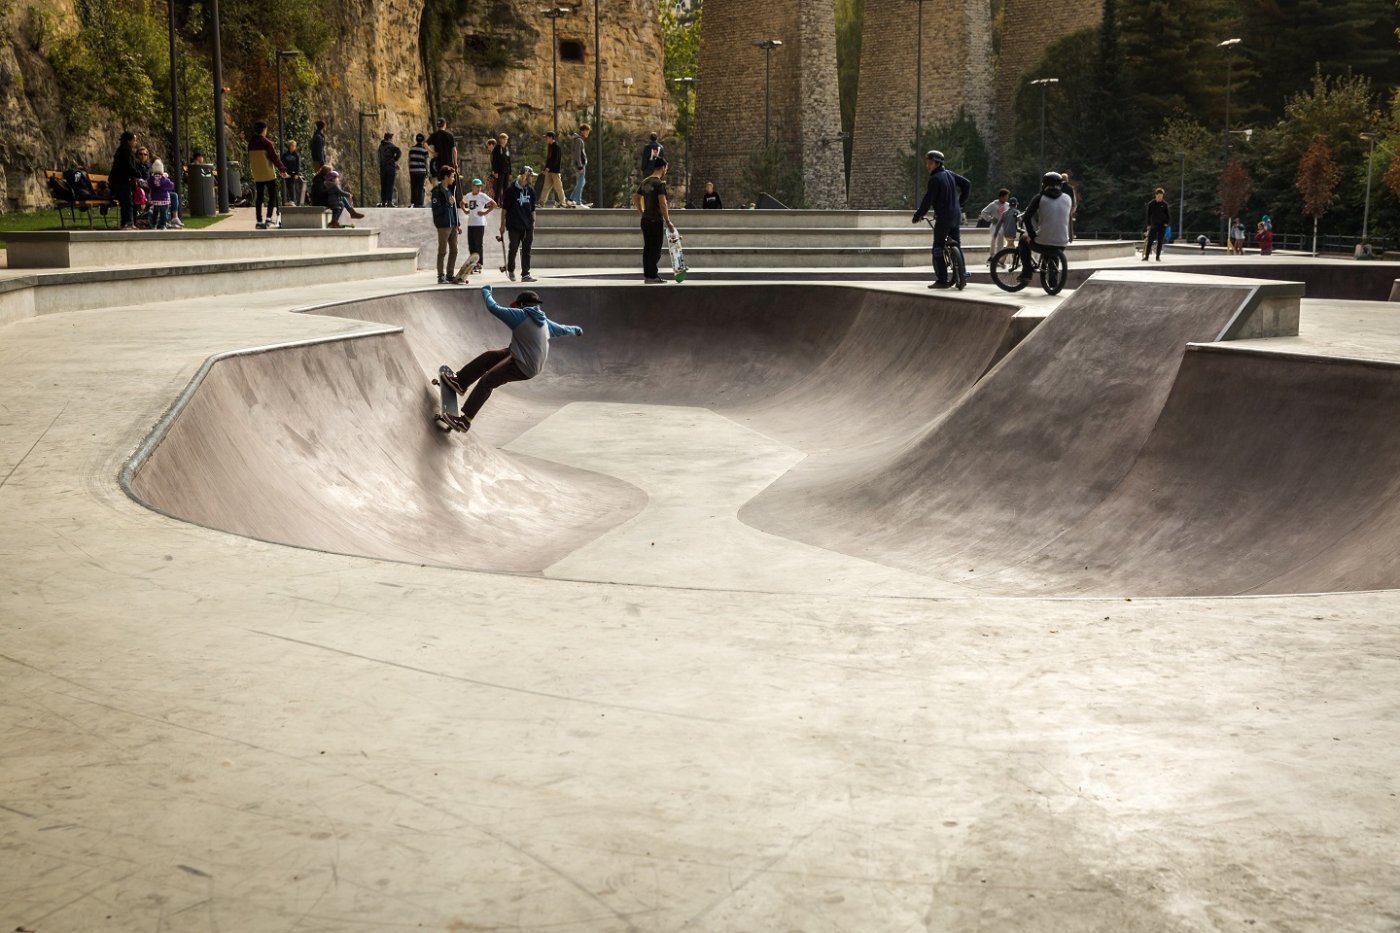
(60, 189)
(138, 198)
(78, 183)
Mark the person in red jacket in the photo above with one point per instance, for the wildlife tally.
(267, 168)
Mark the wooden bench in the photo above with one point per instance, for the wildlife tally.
(305, 218)
(84, 204)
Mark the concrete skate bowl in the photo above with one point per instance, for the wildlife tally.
(1109, 453)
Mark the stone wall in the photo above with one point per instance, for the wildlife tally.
(1026, 33)
(803, 106)
(957, 71)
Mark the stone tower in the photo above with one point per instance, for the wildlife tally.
(804, 96)
(1026, 33)
(957, 72)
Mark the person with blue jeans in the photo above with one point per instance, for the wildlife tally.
(580, 160)
(947, 193)
(530, 332)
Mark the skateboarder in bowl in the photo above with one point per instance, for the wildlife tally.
(530, 332)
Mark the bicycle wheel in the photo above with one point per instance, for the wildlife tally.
(1052, 272)
(959, 270)
(1008, 276)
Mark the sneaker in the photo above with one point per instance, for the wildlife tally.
(260, 226)
(453, 280)
(442, 280)
(650, 281)
(356, 215)
(940, 285)
(451, 381)
(527, 277)
(460, 423)
(511, 275)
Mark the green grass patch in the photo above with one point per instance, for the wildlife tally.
(48, 220)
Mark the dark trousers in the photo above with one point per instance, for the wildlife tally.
(415, 188)
(490, 370)
(1155, 234)
(267, 189)
(475, 240)
(386, 186)
(520, 240)
(943, 229)
(126, 198)
(653, 239)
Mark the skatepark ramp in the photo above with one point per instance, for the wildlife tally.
(1121, 448)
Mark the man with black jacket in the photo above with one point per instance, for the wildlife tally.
(947, 193)
(552, 184)
(121, 180)
(388, 157)
(1159, 216)
(518, 220)
(501, 168)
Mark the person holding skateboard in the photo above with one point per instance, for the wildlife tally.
(530, 332)
(650, 202)
(448, 221)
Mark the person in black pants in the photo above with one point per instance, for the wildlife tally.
(1158, 217)
(518, 219)
(501, 168)
(121, 180)
(650, 201)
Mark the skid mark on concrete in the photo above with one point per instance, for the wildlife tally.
(698, 469)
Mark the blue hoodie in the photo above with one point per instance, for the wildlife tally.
(530, 331)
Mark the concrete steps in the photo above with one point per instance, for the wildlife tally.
(25, 294)
(73, 249)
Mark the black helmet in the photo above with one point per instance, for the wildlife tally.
(1051, 178)
(935, 155)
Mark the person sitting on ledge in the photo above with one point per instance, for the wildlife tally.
(337, 198)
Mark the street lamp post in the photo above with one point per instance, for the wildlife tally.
(598, 100)
(175, 175)
(220, 142)
(554, 13)
(1044, 86)
(1370, 167)
(1228, 45)
(1181, 201)
(281, 122)
(768, 45)
(689, 84)
(364, 199)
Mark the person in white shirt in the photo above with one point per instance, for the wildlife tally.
(478, 204)
(992, 215)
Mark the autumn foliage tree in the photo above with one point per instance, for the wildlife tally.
(1318, 175)
(1234, 188)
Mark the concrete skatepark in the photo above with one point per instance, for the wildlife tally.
(770, 606)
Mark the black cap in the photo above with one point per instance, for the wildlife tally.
(528, 297)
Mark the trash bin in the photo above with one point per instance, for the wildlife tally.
(235, 183)
(199, 181)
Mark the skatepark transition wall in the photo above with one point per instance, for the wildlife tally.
(1118, 449)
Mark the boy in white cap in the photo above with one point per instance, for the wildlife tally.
(530, 332)
(478, 204)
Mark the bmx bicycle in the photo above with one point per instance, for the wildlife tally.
(1006, 268)
(953, 256)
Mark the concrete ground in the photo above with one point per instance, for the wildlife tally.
(208, 732)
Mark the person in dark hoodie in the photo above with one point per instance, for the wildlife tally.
(388, 158)
(1159, 216)
(530, 332)
(947, 193)
(121, 179)
(1047, 222)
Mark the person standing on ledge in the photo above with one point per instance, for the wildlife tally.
(579, 157)
(518, 220)
(1158, 217)
(417, 170)
(552, 161)
(650, 202)
(524, 359)
(711, 201)
(447, 220)
(318, 147)
(947, 193)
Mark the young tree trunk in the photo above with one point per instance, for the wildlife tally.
(1315, 220)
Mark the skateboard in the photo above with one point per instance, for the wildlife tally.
(468, 266)
(673, 242)
(449, 408)
(501, 239)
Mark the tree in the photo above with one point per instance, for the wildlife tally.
(1318, 174)
(850, 18)
(1188, 152)
(680, 44)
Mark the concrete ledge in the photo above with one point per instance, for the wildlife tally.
(305, 218)
(73, 249)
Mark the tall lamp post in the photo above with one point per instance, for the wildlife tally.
(176, 175)
(1370, 167)
(281, 122)
(220, 141)
(1228, 45)
(918, 94)
(364, 199)
(598, 100)
(689, 84)
(554, 13)
(768, 45)
(1181, 201)
(1044, 84)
